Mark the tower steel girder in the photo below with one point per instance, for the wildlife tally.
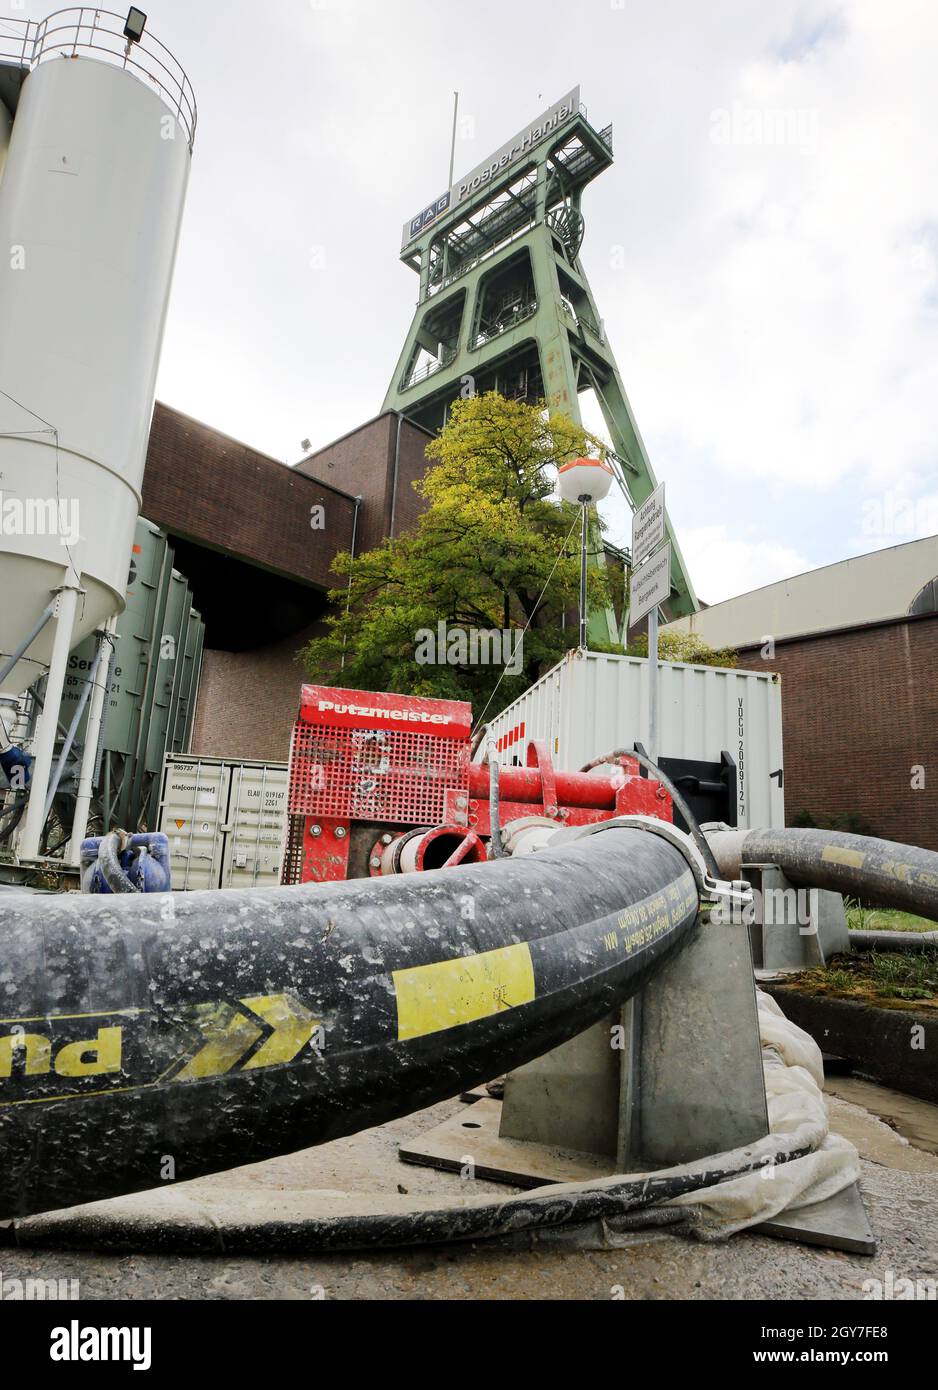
(505, 304)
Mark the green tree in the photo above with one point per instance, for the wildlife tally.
(687, 647)
(480, 556)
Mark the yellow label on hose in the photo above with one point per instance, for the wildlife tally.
(431, 998)
(852, 858)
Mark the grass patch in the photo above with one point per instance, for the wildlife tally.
(894, 978)
(884, 919)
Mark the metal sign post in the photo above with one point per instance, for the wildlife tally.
(650, 586)
(653, 684)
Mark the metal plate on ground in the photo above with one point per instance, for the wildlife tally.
(472, 1137)
(840, 1223)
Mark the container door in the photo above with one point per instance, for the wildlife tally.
(192, 814)
(254, 828)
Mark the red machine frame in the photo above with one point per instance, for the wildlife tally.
(367, 762)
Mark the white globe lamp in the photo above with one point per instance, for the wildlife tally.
(584, 482)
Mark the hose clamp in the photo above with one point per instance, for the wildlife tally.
(737, 892)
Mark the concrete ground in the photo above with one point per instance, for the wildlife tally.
(900, 1188)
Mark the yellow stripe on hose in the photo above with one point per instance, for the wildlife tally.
(852, 858)
(431, 998)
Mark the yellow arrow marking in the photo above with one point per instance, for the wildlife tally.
(229, 1034)
(293, 1027)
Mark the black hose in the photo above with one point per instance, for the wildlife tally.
(546, 1209)
(858, 866)
(10, 816)
(230, 1027)
(109, 853)
(894, 940)
(690, 820)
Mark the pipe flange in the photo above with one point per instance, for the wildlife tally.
(525, 829)
(710, 889)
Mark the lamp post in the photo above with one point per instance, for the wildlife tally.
(584, 482)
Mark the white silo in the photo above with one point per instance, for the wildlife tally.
(91, 201)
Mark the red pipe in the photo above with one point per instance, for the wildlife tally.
(524, 784)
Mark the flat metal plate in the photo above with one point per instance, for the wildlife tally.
(840, 1223)
(471, 1137)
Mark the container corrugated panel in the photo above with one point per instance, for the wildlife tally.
(590, 705)
(170, 655)
(193, 806)
(225, 821)
(257, 810)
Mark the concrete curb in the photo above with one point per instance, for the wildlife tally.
(897, 1046)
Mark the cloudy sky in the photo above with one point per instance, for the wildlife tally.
(763, 251)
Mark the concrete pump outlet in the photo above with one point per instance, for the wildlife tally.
(441, 847)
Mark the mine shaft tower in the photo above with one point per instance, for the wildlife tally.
(505, 304)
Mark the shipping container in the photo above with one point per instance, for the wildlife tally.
(225, 821)
(592, 703)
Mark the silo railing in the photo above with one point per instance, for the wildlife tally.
(83, 30)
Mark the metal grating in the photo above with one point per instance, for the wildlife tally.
(292, 871)
(392, 775)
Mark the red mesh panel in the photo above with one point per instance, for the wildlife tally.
(392, 775)
(292, 869)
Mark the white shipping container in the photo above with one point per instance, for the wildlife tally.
(225, 821)
(593, 703)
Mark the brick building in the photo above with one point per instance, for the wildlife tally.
(860, 724)
(856, 645)
(256, 539)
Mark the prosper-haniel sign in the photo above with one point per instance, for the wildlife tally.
(513, 153)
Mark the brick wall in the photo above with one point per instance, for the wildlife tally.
(220, 494)
(213, 490)
(859, 711)
(248, 701)
(362, 463)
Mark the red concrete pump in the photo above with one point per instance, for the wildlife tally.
(385, 784)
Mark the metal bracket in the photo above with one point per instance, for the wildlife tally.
(736, 892)
(539, 757)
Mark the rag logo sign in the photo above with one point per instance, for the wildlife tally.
(40, 516)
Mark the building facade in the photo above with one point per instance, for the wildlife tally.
(256, 540)
(856, 646)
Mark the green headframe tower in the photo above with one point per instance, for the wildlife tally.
(505, 304)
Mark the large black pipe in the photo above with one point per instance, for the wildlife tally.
(156, 1038)
(859, 866)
